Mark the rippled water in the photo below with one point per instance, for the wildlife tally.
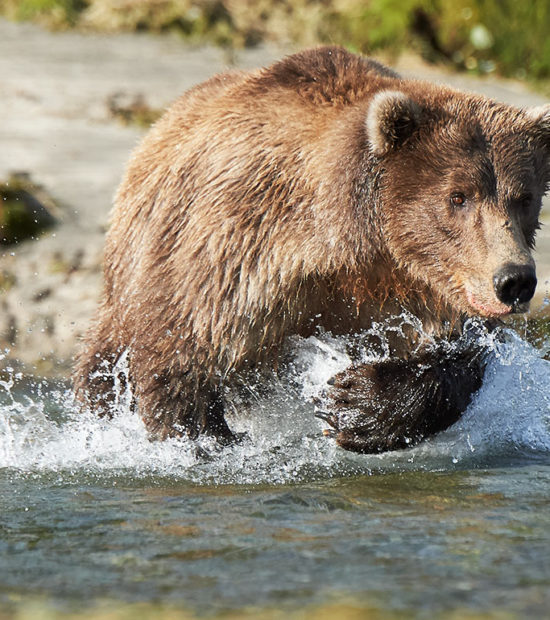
(92, 510)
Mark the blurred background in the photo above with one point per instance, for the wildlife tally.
(81, 80)
(508, 37)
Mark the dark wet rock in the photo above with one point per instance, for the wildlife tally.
(26, 209)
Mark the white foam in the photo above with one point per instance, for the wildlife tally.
(43, 431)
(510, 415)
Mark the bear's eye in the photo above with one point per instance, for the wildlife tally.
(458, 199)
(525, 200)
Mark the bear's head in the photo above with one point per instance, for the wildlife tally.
(461, 188)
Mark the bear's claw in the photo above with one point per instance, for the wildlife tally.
(396, 403)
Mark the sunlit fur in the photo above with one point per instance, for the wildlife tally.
(294, 197)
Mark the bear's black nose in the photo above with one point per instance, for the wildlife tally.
(515, 284)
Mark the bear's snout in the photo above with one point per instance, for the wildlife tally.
(515, 284)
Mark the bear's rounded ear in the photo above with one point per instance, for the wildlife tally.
(541, 116)
(392, 117)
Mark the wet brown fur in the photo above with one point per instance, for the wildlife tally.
(263, 204)
(395, 403)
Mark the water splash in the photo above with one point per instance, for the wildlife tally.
(510, 416)
(42, 430)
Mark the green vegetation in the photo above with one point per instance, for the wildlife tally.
(55, 13)
(505, 36)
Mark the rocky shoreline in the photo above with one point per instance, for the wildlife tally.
(58, 126)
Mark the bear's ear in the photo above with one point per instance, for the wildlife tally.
(541, 116)
(392, 117)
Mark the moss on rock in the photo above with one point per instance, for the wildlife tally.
(26, 210)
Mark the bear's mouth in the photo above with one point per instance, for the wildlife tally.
(492, 308)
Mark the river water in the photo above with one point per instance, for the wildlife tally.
(95, 514)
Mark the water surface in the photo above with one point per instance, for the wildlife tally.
(92, 511)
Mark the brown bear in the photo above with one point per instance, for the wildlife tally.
(324, 191)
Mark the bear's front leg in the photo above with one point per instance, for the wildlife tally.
(396, 403)
(178, 406)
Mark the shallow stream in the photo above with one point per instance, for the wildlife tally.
(95, 514)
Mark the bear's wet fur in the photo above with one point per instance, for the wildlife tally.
(323, 191)
(396, 402)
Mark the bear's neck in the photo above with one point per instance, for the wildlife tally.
(380, 290)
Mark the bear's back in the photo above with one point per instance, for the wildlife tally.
(326, 75)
